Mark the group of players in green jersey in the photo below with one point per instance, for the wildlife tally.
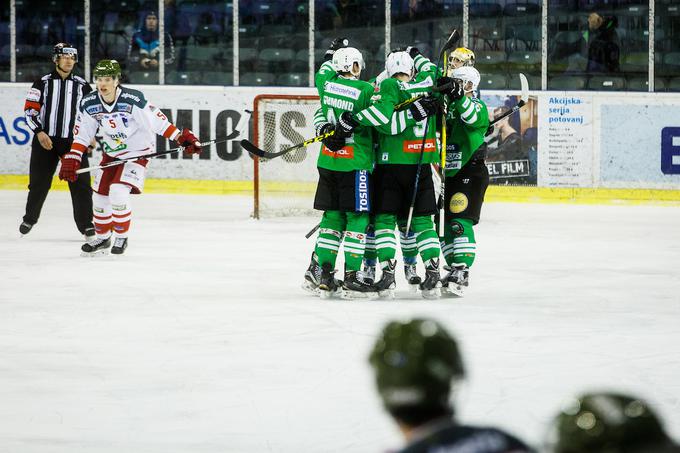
(377, 166)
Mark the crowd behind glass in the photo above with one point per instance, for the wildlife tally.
(591, 45)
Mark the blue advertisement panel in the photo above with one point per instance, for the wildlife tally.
(633, 153)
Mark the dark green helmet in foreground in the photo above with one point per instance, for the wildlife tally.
(415, 364)
(608, 423)
(107, 68)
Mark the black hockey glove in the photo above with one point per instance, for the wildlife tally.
(346, 125)
(424, 107)
(334, 142)
(337, 43)
(456, 91)
(413, 51)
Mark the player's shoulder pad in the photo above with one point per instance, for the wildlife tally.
(91, 103)
(134, 97)
(80, 80)
(389, 83)
(46, 77)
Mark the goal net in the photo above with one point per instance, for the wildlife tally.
(284, 186)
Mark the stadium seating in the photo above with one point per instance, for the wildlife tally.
(256, 79)
(529, 61)
(674, 84)
(293, 79)
(492, 82)
(144, 77)
(183, 78)
(635, 62)
(577, 82)
(491, 61)
(607, 83)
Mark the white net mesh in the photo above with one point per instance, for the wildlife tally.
(286, 183)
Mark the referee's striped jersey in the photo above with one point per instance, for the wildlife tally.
(52, 104)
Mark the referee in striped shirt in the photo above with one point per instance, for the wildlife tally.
(50, 109)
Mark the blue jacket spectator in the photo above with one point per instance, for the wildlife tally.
(144, 50)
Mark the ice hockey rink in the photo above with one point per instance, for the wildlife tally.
(199, 338)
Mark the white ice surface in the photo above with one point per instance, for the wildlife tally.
(199, 339)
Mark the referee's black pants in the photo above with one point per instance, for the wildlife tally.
(43, 165)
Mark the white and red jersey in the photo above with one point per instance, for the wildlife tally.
(129, 126)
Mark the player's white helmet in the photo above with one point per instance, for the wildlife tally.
(467, 74)
(344, 59)
(399, 62)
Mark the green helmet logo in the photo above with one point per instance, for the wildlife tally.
(606, 422)
(416, 362)
(107, 68)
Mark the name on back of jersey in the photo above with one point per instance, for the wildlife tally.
(342, 90)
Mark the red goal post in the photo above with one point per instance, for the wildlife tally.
(285, 185)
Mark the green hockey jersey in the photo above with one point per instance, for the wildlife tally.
(339, 94)
(400, 137)
(466, 124)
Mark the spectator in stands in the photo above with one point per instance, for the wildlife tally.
(345, 12)
(608, 422)
(602, 41)
(509, 141)
(417, 367)
(144, 49)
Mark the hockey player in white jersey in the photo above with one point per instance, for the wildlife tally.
(128, 124)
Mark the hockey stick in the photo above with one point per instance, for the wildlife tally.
(452, 40)
(254, 150)
(312, 231)
(144, 156)
(442, 184)
(524, 98)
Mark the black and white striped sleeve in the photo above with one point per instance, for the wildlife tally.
(32, 106)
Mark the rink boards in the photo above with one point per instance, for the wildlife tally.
(587, 146)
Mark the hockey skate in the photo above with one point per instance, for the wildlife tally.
(386, 285)
(367, 274)
(328, 285)
(354, 288)
(455, 281)
(119, 246)
(25, 228)
(97, 247)
(312, 276)
(430, 287)
(412, 277)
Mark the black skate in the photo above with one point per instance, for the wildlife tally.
(455, 281)
(328, 285)
(25, 228)
(386, 285)
(89, 234)
(411, 276)
(119, 246)
(312, 276)
(354, 288)
(367, 274)
(97, 247)
(430, 287)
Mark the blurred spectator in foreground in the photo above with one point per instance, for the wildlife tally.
(608, 423)
(144, 50)
(417, 367)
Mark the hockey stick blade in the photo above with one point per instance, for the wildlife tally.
(255, 151)
(454, 37)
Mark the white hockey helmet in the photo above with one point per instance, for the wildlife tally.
(467, 74)
(344, 59)
(399, 62)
